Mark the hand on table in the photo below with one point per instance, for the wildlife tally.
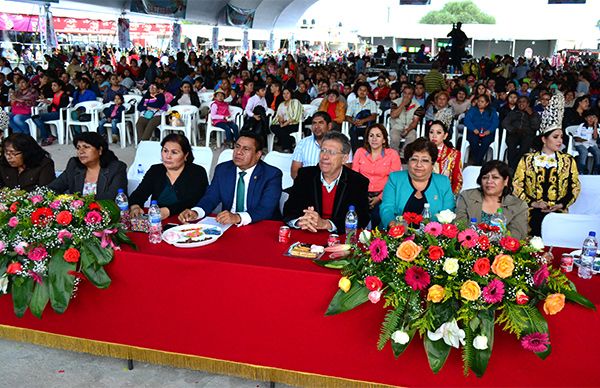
(228, 218)
(135, 211)
(312, 221)
(164, 213)
(187, 215)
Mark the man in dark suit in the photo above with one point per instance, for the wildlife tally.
(248, 188)
(321, 195)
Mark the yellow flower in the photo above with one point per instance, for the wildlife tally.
(554, 303)
(470, 290)
(408, 250)
(344, 284)
(436, 293)
(503, 266)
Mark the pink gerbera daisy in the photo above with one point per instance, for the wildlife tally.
(541, 275)
(433, 228)
(468, 238)
(493, 292)
(417, 278)
(536, 342)
(378, 249)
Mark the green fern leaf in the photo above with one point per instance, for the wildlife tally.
(389, 326)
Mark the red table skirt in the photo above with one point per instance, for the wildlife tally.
(240, 307)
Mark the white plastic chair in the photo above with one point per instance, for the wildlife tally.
(203, 156)
(567, 230)
(283, 162)
(189, 115)
(470, 175)
(122, 126)
(210, 128)
(502, 156)
(386, 120)
(147, 154)
(495, 146)
(464, 146)
(92, 108)
(587, 201)
(346, 129)
(62, 135)
(225, 156)
(132, 118)
(316, 102)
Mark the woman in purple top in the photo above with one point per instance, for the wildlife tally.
(150, 108)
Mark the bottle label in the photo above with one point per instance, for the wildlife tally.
(124, 207)
(154, 219)
(351, 225)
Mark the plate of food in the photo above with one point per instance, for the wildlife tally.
(192, 235)
(305, 251)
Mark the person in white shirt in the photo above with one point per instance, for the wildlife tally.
(585, 140)
(260, 90)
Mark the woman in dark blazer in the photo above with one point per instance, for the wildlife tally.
(176, 184)
(24, 163)
(95, 170)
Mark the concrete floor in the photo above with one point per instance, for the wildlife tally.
(31, 366)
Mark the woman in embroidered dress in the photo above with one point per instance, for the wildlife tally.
(448, 162)
(548, 179)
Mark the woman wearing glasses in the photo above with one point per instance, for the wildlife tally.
(408, 191)
(24, 163)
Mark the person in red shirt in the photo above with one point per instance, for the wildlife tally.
(335, 108)
(382, 90)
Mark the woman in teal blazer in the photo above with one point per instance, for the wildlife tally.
(409, 190)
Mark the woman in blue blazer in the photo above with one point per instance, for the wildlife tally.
(409, 190)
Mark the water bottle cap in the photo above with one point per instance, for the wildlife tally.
(426, 205)
(592, 233)
(154, 203)
(351, 208)
(120, 191)
(473, 219)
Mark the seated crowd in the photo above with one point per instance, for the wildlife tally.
(362, 130)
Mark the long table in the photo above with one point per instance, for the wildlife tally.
(240, 307)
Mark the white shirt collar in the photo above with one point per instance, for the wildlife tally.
(330, 186)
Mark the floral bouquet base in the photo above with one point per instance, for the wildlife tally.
(49, 242)
(452, 285)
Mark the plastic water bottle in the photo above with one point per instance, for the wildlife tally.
(123, 205)
(474, 225)
(426, 213)
(155, 232)
(351, 225)
(140, 170)
(499, 220)
(588, 256)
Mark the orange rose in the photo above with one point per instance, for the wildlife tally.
(408, 250)
(436, 293)
(470, 290)
(503, 266)
(554, 303)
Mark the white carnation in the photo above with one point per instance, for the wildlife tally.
(400, 337)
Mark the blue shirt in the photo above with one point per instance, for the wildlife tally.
(308, 152)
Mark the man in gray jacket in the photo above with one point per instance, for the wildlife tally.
(522, 125)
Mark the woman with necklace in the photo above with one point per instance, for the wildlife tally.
(548, 179)
(449, 161)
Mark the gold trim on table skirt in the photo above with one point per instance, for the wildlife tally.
(178, 360)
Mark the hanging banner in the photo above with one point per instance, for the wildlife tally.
(234, 16)
(51, 40)
(176, 38)
(245, 41)
(171, 8)
(271, 42)
(215, 38)
(123, 33)
(292, 45)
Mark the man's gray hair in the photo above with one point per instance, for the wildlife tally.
(339, 137)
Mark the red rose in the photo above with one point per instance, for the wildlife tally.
(511, 244)
(64, 218)
(373, 283)
(483, 242)
(13, 208)
(397, 231)
(412, 218)
(13, 268)
(435, 252)
(482, 266)
(71, 255)
(94, 206)
(522, 297)
(449, 230)
(42, 216)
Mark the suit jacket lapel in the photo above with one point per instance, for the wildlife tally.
(102, 180)
(339, 192)
(229, 187)
(317, 192)
(256, 175)
(79, 177)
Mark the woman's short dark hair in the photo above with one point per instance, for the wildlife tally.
(59, 82)
(420, 145)
(98, 142)
(33, 154)
(581, 98)
(386, 143)
(503, 169)
(183, 142)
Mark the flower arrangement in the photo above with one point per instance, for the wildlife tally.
(49, 243)
(452, 285)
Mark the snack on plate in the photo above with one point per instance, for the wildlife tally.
(307, 251)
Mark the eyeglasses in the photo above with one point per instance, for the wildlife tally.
(12, 154)
(417, 161)
(325, 151)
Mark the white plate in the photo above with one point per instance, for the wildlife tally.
(176, 236)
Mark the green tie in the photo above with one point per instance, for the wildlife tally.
(241, 193)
